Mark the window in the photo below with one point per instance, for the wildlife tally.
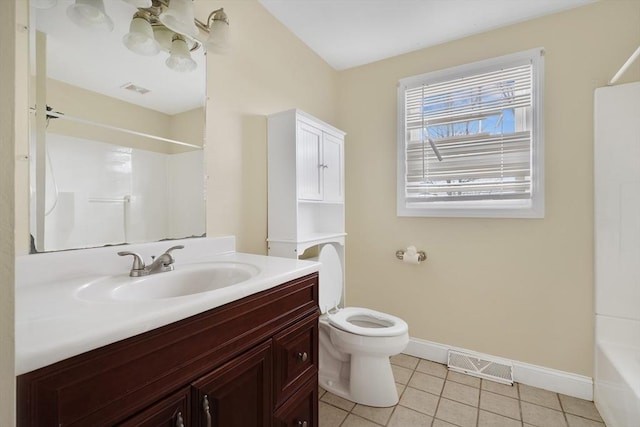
(470, 140)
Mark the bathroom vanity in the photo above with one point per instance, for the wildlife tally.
(252, 361)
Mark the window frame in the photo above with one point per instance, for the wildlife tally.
(532, 207)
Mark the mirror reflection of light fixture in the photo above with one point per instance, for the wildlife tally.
(179, 17)
(218, 28)
(90, 14)
(180, 57)
(140, 3)
(154, 27)
(141, 39)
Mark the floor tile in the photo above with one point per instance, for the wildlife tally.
(503, 389)
(426, 382)
(356, 421)
(321, 392)
(463, 379)
(539, 396)
(432, 368)
(457, 413)
(440, 423)
(330, 416)
(401, 375)
(487, 419)
(432, 396)
(499, 404)
(400, 389)
(377, 415)
(461, 393)
(583, 408)
(405, 417)
(575, 421)
(405, 361)
(419, 400)
(338, 401)
(542, 417)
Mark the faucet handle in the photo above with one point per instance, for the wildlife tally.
(138, 263)
(172, 248)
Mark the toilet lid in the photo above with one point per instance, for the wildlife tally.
(331, 279)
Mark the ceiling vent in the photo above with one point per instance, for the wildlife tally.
(134, 88)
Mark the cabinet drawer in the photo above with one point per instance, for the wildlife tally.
(172, 411)
(301, 410)
(296, 358)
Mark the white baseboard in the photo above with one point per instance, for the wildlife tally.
(554, 380)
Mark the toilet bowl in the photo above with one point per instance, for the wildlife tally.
(355, 342)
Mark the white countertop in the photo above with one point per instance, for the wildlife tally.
(53, 324)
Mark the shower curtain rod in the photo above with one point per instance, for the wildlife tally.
(624, 67)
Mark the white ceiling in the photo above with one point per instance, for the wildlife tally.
(349, 33)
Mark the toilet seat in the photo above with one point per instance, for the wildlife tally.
(355, 319)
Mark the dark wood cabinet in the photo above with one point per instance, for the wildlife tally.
(301, 410)
(252, 362)
(172, 411)
(236, 394)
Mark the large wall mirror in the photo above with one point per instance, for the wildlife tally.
(116, 136)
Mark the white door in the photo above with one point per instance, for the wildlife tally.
(333, 168)
(309, 168)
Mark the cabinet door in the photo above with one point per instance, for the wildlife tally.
(333, 168)
(169, 412)
(309, 162)
(238, 394)
(296, 358)
(301, 410)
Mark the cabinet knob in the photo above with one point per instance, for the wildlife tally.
(179, 420)
(303, 356)
(303, 424)
(205, 408)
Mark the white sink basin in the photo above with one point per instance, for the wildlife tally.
(185, 280)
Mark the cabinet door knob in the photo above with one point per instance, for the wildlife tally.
(303, 424)
(205, 407)
(179, 420)
(303, 356)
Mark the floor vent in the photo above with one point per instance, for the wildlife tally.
(481, 366)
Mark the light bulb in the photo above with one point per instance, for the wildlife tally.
(179, 17)
(180, 58)
(140, 38)
(218, 40)
(139, 3)
(90, 14)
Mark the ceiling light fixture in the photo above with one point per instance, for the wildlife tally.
(140, 38)
(90, 14)
(155, 25)
(180, 57)
(178, 16)
(140, 3)
(217, 26)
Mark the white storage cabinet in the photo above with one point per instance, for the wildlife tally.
(305, 183)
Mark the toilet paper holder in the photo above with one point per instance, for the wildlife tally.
(422, 256)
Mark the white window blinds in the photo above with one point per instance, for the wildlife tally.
(470, 137)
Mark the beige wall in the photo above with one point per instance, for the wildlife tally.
(521, 289)
(267, 71)
(10, 40)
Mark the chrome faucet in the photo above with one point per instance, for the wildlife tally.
(159, 264)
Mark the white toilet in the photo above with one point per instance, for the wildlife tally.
(355, 343)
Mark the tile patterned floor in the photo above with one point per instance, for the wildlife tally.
(432, 396)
